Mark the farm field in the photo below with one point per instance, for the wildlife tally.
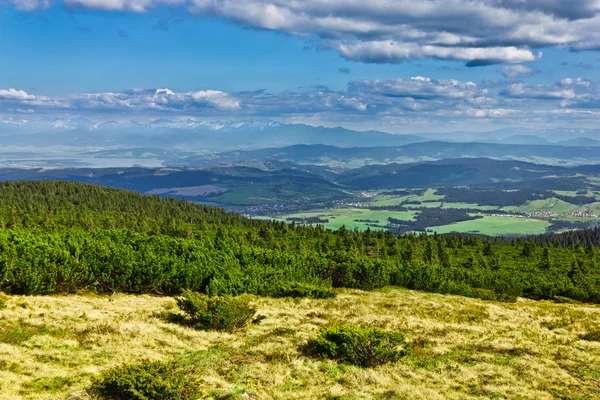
(53, 347)
(547, 205)
(497, 226)
(350, 217)
(539, 215)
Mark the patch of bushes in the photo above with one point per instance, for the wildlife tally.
(296, 290)
(225, 313)
(363, 347)
(592, 336)
(147, 381)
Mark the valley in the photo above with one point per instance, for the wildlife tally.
(464, 195)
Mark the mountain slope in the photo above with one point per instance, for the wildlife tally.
(61, 237)
(580, 142)
(456, 172)
(266, 182)
(427, 151)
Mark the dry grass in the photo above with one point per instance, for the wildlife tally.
(51, 347)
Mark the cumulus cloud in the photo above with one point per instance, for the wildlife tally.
(369, 103)
(478, 32)
(516, 71)
(159, 100)
(122, 5)
(27, 5)
(13, 94)
(572, 92)
(389, 51)
(419, 88)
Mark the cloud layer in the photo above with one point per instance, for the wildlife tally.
(399, 104)
(478, 32)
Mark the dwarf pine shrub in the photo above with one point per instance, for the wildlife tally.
(147, 381)
(364, 347)
(224, 313)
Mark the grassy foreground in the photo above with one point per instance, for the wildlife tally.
(51, 347)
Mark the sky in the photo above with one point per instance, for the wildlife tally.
(401, 66)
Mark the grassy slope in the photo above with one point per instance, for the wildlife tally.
(463, 348)
(489, 225)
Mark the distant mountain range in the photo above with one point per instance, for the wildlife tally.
(191, 135)
(517, 135)
(462, 172)
(277, 182)
(414, 152)
(186, 135)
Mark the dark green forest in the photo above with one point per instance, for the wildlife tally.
(61, 237)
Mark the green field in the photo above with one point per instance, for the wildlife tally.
(347, 216)
(547, 205)
(489, 225)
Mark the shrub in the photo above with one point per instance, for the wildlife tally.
(148, 381)
(592, 336)
(364, 347)
(296, 290)
(3, 300)
(219, 313)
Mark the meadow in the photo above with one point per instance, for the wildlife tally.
(497, 226)
(52, 347)
(373, 209)
(351, 217)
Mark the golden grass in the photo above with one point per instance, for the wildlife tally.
(51, 347)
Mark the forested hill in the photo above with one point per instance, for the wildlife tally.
(59, 237)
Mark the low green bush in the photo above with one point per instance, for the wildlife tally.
(296, 290)
(224, 313)
(592, 336)
(147, 381)
(364, 347)
(3, 300)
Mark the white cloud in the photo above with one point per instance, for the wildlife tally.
(122, 5)
(389, 31)
(390, 51)
(13, 94)
(27, 5)
(516, 71)
(419, 88)
(570, 92)
(368, 103)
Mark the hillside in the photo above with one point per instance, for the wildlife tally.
(88, 237)
(97, 264)
(454, 172)
(263, 182)
(270, 181)
(52, 347)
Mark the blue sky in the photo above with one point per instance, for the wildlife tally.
(399, 67)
